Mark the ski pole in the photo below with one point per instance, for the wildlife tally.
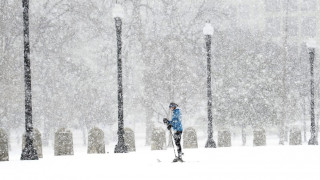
(174, 151)
(165, 120)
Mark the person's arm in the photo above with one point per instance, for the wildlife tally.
(168, 123)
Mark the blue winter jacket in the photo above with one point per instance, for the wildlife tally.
(176, 120)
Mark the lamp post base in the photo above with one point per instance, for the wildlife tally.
(210, 143)
(121, 148)
(313, 141)
(29, 153)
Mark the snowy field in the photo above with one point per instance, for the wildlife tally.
(271, 162)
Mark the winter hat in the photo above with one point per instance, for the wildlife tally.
(173, 105)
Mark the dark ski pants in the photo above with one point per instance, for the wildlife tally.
(177, 140)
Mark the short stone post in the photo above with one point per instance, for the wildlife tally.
(158, 139)
(63, 142)
(259, 137)
(4, 149)
(295, 136)
(224, 138)
(190, 139)
(37, 142)
(129, 139)
(96, 144)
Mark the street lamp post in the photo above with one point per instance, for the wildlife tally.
(208, 32)
(28, 152)
(118, 15)
(311, 45)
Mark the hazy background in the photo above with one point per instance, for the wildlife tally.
(260, 66)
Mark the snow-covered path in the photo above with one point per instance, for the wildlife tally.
(235, 163)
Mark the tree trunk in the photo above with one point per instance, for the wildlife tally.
(244, 135)
(84, 136)
(149, 126)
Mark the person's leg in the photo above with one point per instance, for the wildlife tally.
(177, 139)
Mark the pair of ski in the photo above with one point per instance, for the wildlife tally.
(178, 157)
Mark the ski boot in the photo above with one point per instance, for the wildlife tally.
(178, 158)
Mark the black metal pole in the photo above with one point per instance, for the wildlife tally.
(29, 152)
(120, 147)
(210, 142)
(313, 140)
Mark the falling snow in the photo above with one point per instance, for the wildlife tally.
(264, 84)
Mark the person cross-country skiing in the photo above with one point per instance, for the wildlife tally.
(176, 125)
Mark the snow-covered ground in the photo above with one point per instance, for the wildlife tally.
(271, 162)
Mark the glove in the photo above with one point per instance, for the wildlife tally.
(165, 120)
(169, 126)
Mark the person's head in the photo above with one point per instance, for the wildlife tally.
(173, 106)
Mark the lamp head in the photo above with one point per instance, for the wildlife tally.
(208, 29)
(311, 43)
(117, 11)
